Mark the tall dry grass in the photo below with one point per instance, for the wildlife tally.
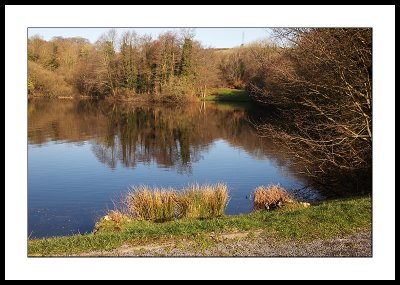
(270, 197)
(202, 201)
(151, 204)
(160, 204)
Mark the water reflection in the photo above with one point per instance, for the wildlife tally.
(172, 137)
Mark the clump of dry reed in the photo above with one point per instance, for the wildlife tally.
(202, 201)
(160, 204)
(154, 204)
(273, 196)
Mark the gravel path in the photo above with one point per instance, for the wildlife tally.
(254, 244)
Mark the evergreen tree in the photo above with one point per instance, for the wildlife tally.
(186, 54)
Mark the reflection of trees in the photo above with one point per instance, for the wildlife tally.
(171, 137)
(145, 134)
(72, 121)
(105, 155)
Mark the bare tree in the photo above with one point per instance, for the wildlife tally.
(106, 45)
(322, 85)
(205, 69)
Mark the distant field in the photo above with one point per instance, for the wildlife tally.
(227, 94)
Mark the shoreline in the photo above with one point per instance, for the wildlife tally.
(293, 227)
(216, 95)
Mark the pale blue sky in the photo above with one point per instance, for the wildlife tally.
(209, 37)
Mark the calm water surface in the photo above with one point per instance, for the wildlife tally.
(82, 155)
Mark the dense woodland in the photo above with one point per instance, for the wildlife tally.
(318, 81)
(172, 67)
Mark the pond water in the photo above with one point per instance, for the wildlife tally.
(83, 155)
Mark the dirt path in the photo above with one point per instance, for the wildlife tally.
(249, 244)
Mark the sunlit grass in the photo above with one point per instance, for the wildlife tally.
(228, 94)
(206, 201)
(160, 205)
(325, 220)
(154, 204)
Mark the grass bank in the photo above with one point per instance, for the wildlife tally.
(321, 221)
(228, 95)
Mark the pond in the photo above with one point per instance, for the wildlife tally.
(83, 155)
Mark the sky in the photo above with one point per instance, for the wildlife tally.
(209, 37)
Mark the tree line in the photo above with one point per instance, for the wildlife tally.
(173, 67)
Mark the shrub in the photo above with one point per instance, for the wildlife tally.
(270, 197)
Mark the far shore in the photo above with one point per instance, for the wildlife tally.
(214, 95)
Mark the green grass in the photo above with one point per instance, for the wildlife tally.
(328, 219)
(231, 105)
(228, 95)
